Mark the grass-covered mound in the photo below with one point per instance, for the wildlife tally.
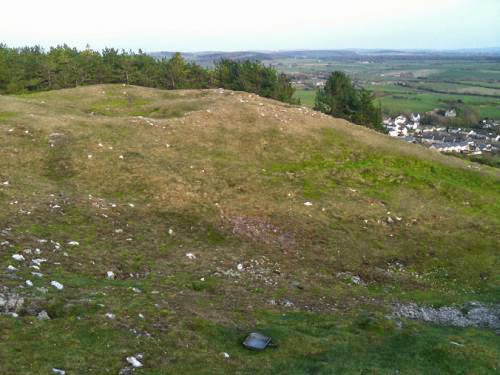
(221, 212)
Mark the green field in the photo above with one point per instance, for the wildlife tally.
(306, 97)
(417, 101)
(418, 85)
(395, 100)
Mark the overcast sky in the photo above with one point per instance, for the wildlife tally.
(227, 25)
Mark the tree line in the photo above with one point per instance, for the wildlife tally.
(31, 69)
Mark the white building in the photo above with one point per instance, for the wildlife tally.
(400, 120)
(450, 113)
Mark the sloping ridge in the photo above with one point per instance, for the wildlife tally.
(217, 212)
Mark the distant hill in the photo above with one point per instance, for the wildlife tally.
(207, 58)
(167, 225)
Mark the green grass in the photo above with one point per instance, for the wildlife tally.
(305, 343)
(409, 101)
(306, 97)
(4, 115)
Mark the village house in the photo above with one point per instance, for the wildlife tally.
(483, 139)
(415, 117)
(400, 120)
(450, 113)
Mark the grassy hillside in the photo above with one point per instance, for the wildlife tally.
(222, 212)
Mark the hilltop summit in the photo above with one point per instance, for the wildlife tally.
(159, 227)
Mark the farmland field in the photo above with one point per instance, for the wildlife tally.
(306, 97)
(411, 84)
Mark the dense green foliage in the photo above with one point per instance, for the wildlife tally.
(340, 98)
(253, 77)
(32, 69)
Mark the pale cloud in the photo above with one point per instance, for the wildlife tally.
(257, 24)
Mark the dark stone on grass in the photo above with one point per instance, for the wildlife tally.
(257, 341)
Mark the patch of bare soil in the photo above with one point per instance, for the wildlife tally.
(261, 230)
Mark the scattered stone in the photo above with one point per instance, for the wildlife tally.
(39, 261)
(37, 274)
(11, 268)
(356, 280)
(43, 315)
(110, 316)
(240, 267)
(29, 283)
(141, 316)
(134, 362)
(11, 303)
(226, 355)
(350, 277)
(171, 232)
(473, 314)
(110, 275)
(18, 257)
(58, 371)
(191, 256)
(57, 285)
(136, 290)
(73, 243)
(308, 204)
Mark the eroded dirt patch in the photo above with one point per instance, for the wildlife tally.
(261, 230)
